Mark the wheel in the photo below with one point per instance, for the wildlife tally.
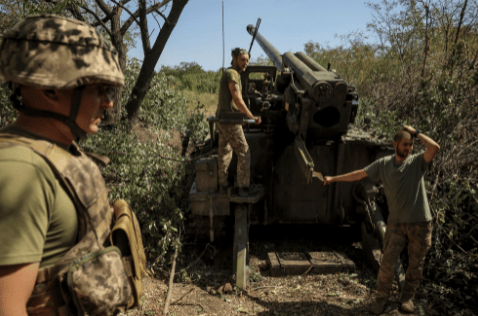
(371, 249)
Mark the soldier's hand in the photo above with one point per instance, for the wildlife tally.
(258, 120)
(328, 180)
(409, 129)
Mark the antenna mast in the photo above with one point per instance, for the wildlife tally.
(223, 43)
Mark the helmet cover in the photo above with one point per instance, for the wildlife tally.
(54, 52)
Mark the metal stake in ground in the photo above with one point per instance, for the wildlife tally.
(171, 276)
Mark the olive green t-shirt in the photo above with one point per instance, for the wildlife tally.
(38, 221)
(226, 103)
(404, 187)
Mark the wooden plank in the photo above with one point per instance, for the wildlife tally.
(274, 264)
(283, 264)
(293, 263)
(347, 264)
(327, 262)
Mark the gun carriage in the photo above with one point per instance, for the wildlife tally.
(306, 111)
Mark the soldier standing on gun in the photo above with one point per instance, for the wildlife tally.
(231, 136)
(409, 213)
(61, 72)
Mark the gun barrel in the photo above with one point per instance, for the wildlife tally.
(270, 50)
(316, 86)
(312, 64)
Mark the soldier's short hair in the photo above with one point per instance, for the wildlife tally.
(236, 52)
(401, 134)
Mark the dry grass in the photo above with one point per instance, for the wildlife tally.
(208, 99)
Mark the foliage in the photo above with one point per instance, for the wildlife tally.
(152, 185)
(151, 175)
(261, 60)
(423, 73)
(7, 112)
(191, 76)
(13, 11)
(368, 67)
(159, 96)
(46, 7)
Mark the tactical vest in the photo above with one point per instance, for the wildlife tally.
(92, 278)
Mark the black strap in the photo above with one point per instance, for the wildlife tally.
(77, 132)
(75, 103)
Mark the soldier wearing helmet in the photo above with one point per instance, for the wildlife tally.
(52, 197)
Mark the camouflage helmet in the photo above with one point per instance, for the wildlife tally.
(54, 52)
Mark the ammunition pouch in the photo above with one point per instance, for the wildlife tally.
(98, 283)
(126, 235)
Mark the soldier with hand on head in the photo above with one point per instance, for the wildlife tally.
(54, 209)
(402, 175)
(231, 136)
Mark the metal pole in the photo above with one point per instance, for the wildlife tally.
(223, 41)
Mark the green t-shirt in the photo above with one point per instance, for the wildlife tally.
(38, 221)
(404, 187)
(226, 103)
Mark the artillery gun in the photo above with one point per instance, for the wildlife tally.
(306, 111)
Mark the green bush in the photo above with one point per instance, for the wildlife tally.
(151, 175)
(7, 112)
(191, 76)
(142, 174)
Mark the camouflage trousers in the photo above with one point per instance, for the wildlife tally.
(231, 137)
(419, 242)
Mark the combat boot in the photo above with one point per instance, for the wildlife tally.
(406, 299)
(407, 306)
(379, 305)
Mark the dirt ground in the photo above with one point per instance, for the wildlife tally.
(202, 288)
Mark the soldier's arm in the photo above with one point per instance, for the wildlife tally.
(431, 146)
(16, 286)
(241, 106)
(348, 177)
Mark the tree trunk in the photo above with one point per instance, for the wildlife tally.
(151, 59)
(457, 36)
(113, 115)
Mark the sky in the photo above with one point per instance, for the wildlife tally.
(286, 24)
